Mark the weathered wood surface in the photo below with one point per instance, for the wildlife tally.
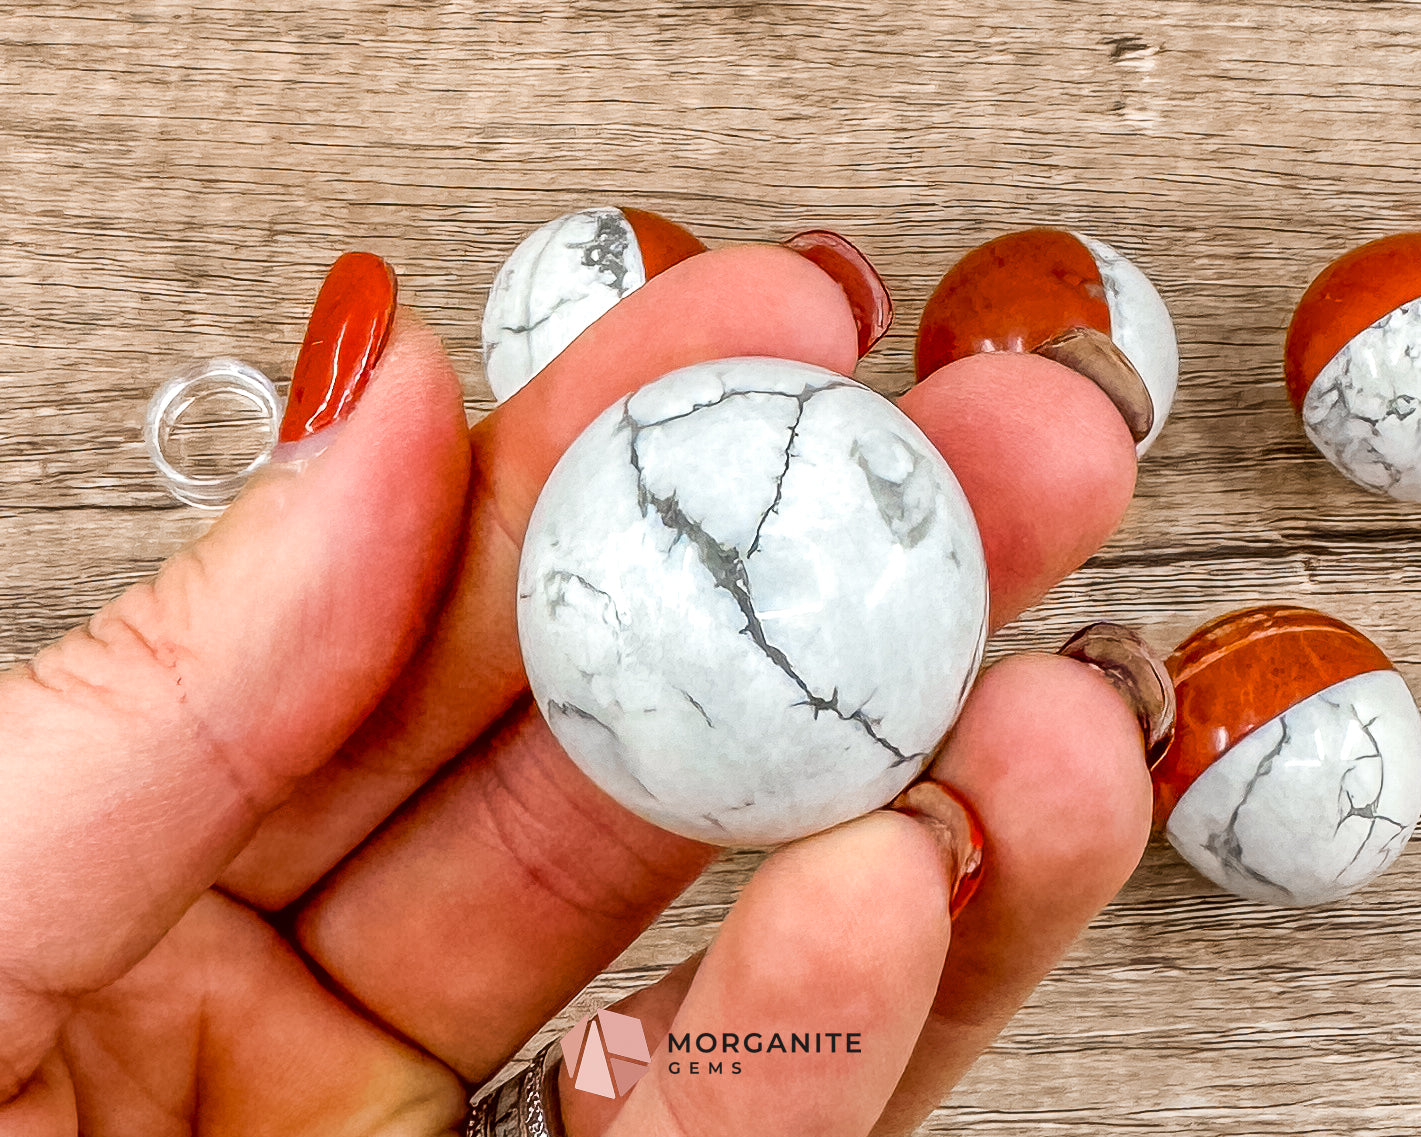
(174, 177)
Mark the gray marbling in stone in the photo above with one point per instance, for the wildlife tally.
(1363, 411)
(751, 601)
(554, 285)
(1314, 803)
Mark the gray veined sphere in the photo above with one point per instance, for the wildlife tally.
(563, 277)
(1352, 362)
(1294, 773)
(751, 601)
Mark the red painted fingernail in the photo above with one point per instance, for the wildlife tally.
(956, 830)
(349, 325)
(868, 295)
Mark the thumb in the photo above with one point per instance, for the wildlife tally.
(140, 751)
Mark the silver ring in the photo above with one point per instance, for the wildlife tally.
(526, 1105)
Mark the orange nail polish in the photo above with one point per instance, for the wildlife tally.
(868, 295)
(345, 336)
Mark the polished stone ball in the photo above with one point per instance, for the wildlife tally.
(1353, 365)
(563, 277)
(1066, 296)
(1294, 775)
(751, 601)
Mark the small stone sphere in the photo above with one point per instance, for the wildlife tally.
(751, 601)
(1031, 288)
(1294, 776)
(1352, 362)
(563, 277)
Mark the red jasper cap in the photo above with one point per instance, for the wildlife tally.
(663, 243)
(1012, 294)
(1348, 296)
(1243, 669)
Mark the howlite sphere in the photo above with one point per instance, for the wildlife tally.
(563, 277)
(751, 601)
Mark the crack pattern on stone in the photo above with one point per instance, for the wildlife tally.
(802, 399)
(1361, 411)
(558, 600)
(696, 703)
(582, 714)
(1224, 844)
(524, 329)
(1370, 810)
(606, 250)
(727, 569)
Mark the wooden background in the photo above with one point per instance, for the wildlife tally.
(175, 177)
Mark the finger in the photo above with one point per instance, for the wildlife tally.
(1052, 761)
(429, 926)
(655, 1007)
(140, 751)
(44, 1105)
(1044, 458)
(223, 1026)
(838, 939)
(1053, 765)
(743, 301)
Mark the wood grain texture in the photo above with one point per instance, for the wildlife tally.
(174, 178)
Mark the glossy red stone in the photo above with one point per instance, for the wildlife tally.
(1348, 296)
(345, 336)
(1239, 671)
(1012, 294)
(662, 243)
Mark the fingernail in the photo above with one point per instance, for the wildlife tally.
(955, 829)
(868, 295)
(1095, 355)
(1134, 669)
(345, 336)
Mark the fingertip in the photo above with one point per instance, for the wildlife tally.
(1053, 762)
(839, 936)
(1043, 456)
(1051, 756)
(833, 915)
(883, 872)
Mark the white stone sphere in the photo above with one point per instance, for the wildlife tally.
(1315, 803)
(751, 602)
(554, 285)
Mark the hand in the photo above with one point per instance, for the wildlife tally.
(253, 714)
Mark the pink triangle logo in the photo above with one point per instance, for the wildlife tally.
(606, 1054)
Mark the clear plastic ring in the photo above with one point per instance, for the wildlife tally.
(195, 418)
